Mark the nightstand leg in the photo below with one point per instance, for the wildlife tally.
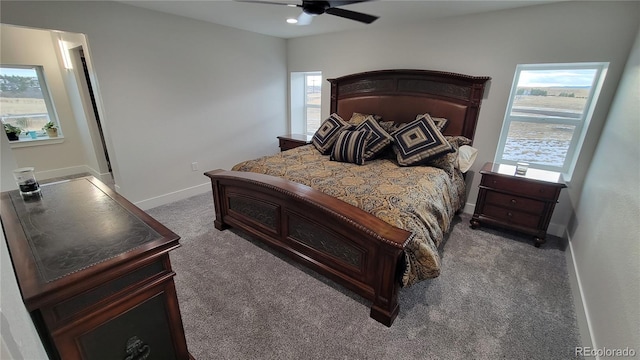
(538, 241)
(474, 223)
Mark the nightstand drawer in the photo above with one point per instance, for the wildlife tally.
(511, 216)
(527, 188)
(289, 144)
(515, 202)
(291, 141)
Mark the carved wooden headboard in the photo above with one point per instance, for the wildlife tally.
(400, 95)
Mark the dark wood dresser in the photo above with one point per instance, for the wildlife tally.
(94, 273)
(291, 141)
(523, 203)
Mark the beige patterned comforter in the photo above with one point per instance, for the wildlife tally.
(418, 199)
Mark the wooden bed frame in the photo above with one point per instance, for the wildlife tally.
(336, 239)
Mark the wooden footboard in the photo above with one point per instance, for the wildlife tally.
(336, 239)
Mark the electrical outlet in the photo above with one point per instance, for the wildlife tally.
(194, 166)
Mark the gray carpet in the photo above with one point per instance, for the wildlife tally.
(498, 297)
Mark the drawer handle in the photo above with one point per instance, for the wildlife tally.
(542, 190)
(509, 214)
(495, 182)
(514, 201)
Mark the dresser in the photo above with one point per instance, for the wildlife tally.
(291, 141)
(94, 273)
(522, 203)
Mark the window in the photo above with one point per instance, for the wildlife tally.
(306, 93)
(25, 102)
(549, 109)
(312, 91)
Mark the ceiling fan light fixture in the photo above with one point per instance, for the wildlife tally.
(292, 21)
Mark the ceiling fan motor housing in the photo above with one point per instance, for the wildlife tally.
(315, 7)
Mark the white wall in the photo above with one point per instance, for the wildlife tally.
(604, 232)
(22, 46)
(488, 44)
(174, 91)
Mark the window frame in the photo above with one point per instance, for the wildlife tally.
(52, 115)
(307, 105)
(581, 124)
(298, 101)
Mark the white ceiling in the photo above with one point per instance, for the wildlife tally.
(271, 19)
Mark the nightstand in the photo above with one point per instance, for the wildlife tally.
(522, 203)
(291, 141)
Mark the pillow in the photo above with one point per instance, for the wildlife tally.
(350, 146)
(379, 139)
(328, 132)
(449, 162)
(466, 156)
(419, 142)
(441, 123)
(391, 126)
(358, 118)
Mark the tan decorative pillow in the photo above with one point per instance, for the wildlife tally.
(449, 161)
(358, 118)
(441, 123)
(391, 126)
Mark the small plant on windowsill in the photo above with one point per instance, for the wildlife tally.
(12, 132)
(51, 129)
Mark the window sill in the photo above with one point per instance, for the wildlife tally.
(28, 142)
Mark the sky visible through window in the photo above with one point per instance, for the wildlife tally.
(557, 78)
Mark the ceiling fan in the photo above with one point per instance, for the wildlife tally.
(311, 8)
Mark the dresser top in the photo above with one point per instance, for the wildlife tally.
(77, 228)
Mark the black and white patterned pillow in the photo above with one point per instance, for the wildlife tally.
(441, 123)
(328, 132)
(379, 139)
(418, 142)
(350, 146)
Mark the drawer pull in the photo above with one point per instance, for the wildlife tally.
(509, 214)
(541, 190)
(495, 182)
(514, 201)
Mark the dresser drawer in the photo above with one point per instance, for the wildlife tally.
(98, 295)
(514, 185)
(515, 202)
(511, 216)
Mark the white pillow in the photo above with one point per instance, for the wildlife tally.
(466, 156)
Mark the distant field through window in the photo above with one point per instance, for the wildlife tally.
(548, 112)
(25, 101)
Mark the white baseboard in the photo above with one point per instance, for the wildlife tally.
(582, 312)
(173, 196)
(73, 170)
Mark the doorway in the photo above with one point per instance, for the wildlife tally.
(86, 82)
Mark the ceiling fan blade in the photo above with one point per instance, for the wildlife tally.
(352, 15)
(267, 2)
(336, 3)
(304, 19)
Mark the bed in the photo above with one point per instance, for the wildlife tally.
(339, 231)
